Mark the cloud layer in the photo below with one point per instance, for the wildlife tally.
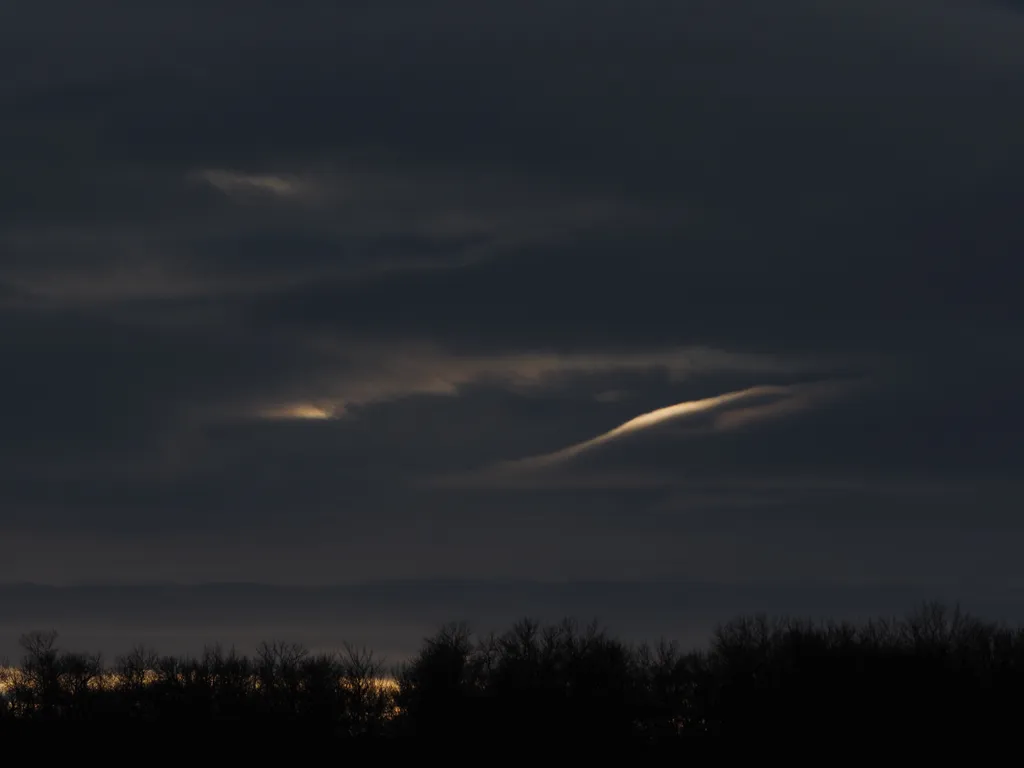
(357, 290)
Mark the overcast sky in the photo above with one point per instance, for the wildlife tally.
(334, 292)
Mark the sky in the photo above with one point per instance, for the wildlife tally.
(720, 298)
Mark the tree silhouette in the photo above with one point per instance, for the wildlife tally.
(535, 686)
(435, 687)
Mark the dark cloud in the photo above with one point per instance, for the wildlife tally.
(278, 290)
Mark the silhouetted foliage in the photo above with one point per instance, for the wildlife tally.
(536, 685)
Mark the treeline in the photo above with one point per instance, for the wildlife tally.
(537, 684)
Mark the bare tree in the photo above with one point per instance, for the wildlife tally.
(278, 668)
(78, 675)
(135, 668)
(369, 700)
(38, 687)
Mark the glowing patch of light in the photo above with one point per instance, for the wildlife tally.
(10, 677)
(298, 412)
(646, 420)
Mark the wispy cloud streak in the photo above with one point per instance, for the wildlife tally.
(536, 471)
(647, 420)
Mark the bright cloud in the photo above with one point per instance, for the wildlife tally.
(297, 412)
(528, 472)
(650, 419)
(357, 375)
(233, 182)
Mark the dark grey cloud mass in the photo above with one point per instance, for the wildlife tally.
(322, 294)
